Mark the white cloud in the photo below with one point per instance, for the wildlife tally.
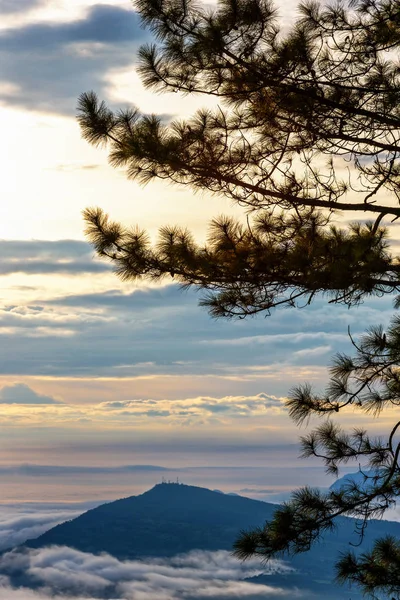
(138, 412)
(181, 410)
(17, 526)
(8, 593)
(199, 574)
(314, 351)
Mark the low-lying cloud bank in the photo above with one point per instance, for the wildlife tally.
(20, 524)
(58, 571)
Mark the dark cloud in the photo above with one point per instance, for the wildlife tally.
(60, 249)
(58, 470)
(103, 24)
(162, 330)
(45, 66)
(138, 300)
(67, 257)
(38, 267)
(15, 6)
(19, 393)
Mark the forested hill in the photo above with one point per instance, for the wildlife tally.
(168, 519)
(173, 518)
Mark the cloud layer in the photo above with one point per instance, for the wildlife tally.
(16, 6)
(162, 331)
(20, 524)
(197, 575)
(45, 66)
(19, 393)
(196, 408)
(66, 257)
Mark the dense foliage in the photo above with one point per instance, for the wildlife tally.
(369, 381)
(308, 125)
(307, 129)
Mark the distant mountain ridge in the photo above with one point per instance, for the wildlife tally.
(174, 518)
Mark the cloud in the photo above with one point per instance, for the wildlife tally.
(17, 526)
(199, 574)
(141, 413)
(61, 470)
(16, 6)
(202, 407)
(45, 66)
(159, 332)
(162, 332)
(138, 300)
(20, 393)
(8, 593)
(66, 257)
(318, 351)
(71, 167)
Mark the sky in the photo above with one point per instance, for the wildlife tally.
(102, 375)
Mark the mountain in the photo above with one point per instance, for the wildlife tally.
(171, 519)
(168, 519)
(357, 478)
